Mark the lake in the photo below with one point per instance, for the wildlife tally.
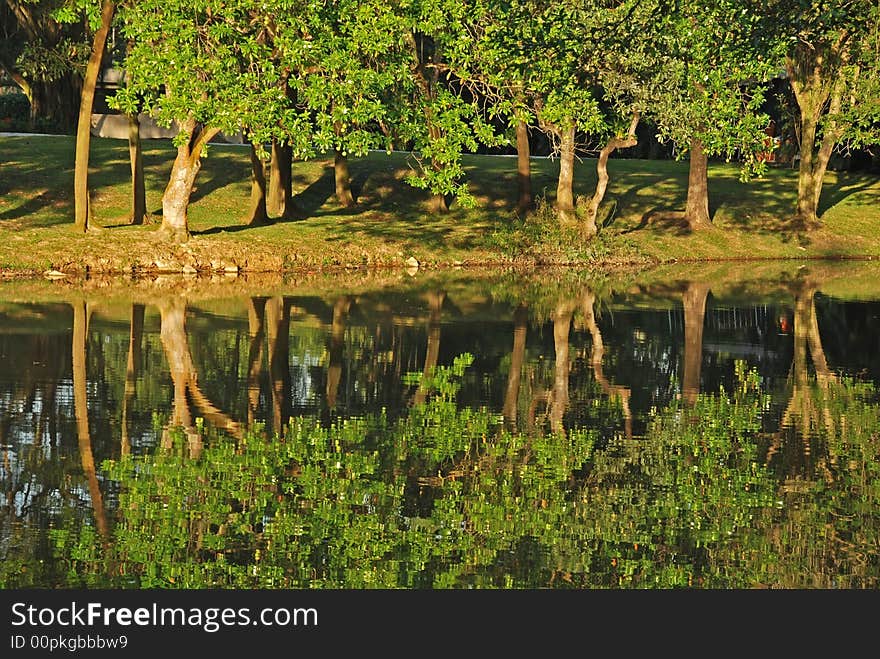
(691, 427)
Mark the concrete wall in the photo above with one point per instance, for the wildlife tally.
(116, 126)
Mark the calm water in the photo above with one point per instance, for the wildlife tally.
(689, 429)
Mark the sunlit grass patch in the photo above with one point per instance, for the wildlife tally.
(391, 224)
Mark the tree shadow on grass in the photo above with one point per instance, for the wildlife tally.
(669, 221)
(770, 213)
(672, 222)
(33, 208)
(391, 210)
(24, 177)
(848, 185)
(306, 203)
(315, 195)
(228, 171)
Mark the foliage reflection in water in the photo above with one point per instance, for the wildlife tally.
(489, 434)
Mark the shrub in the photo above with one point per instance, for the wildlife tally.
(14, 111)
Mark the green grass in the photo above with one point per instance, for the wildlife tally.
(391, 222)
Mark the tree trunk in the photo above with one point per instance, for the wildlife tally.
(697, 209)
(814, 164)
(590, 226)
(808, 186)
(337, 343)
(138, 187)
(694, 304)
(426, 78)
(525, 201)
(280, 198)
(438, 203)
(175, 199)
(343, 180)
(565, 184)
(258, 212)
(82, 210)
(813, 90)
(517, 357)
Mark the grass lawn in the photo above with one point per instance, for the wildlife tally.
(391, 222)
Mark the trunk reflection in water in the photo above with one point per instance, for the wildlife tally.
(558, 436)
(335, 349)
(81, 410)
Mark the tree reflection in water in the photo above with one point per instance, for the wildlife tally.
(740, 485)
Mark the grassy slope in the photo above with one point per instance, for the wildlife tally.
(391, 224)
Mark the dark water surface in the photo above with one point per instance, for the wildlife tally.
(695, 428)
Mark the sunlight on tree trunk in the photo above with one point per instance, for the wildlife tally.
(592, 212)
(565, 183)
(175, 200)
(697, 209)
(82, 206)
(342, 179)
(258, 212)
(815, 94)
(280, 196)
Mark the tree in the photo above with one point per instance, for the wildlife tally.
(550, 64)
(631, 42)
(207, 67)
(437, 121)
(82, 210)
(535, 50)
(100, 15)
(710, 88)
(355, 61)
(832, 62)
